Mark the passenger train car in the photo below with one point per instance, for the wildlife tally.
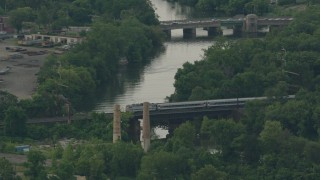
(234, 102)
(181, 105)
(139, 107)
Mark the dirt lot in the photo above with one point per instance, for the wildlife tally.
(14, 158)
(21, 80)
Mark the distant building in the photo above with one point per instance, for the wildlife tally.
(5, 25)
(53, 39)
(76, 29)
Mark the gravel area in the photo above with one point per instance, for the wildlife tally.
(21, 80)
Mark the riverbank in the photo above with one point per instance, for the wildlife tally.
(21, 79)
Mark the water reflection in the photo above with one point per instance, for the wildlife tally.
(170, 11)
(152, 82)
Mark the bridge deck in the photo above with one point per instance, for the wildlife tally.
(205, 23)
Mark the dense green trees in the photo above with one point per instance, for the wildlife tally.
(228, 150)
(36, 166)
(274, 138)
(15, 122)
(92, 64)
(163, 165)
(99, 160)
(53, 15)
(208, 172)
(20, 15)
(282, 64)
(6, 100)
(6, 170)
(121, 31)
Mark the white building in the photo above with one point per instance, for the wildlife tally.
(54, 39)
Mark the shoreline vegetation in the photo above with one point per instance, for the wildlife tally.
(74, 77)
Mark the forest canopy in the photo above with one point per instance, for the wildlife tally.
(283, 63)
(274, 138)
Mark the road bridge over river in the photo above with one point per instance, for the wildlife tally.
(248, 24)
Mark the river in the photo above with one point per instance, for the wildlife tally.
(154, 81)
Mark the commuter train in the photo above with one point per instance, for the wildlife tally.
(235, 102)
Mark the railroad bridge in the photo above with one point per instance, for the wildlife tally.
(169, 115)
(250, 24)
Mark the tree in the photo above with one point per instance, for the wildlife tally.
(6, 100)
(163, 165)
(295, 116)
(20, 15)
(222, 134)
(273, 136)
(15, 121)
(6, 170)
(80, 12)
(184, 136)
(90, 163)
(208, 172)
(36, 165)
(311, 152)
(125, 160)
(44, 16)
(65, 170)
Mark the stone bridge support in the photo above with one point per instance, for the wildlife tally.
(189, 33)
(146, 127)
(116, 123)
(251, 23)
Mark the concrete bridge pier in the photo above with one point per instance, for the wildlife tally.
(116, 123)
(146, 127)
(189, 33)
(251, 23)
(168, 33)
(214, 31)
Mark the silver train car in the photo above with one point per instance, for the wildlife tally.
(181, 105)
(196, 104)
(139, 107)
(231, 102)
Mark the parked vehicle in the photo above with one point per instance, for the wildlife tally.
(15, 49)
(47, 44)
(5, 70)
(16, 56)
(65, 47)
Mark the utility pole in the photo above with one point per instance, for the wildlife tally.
(283, 58)
(284, 61)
